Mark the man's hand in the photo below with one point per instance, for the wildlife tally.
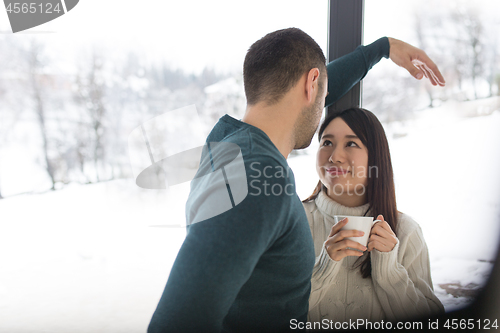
(415, 61)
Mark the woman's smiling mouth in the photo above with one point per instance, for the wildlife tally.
(334, 171)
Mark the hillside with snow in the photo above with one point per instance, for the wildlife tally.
(95, 258)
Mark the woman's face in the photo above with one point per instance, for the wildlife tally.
(342, 164)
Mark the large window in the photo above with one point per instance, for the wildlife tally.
(83, 248)
(88, 256)
(444, 141)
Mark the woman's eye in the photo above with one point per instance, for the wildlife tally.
(352, 144)
(327, 143)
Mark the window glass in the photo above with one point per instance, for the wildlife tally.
(82, 246)
(444, 141)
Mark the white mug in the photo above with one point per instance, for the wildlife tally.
(361, 223)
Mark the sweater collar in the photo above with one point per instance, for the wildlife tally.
(330, 207)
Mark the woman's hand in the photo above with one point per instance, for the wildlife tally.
(382, 238)
(337, 246)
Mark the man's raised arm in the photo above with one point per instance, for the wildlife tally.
(346, 71)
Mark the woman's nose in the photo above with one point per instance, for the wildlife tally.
(337, 156)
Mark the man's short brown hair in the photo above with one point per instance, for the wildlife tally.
(275, 63)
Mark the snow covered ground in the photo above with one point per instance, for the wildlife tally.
(95, 258)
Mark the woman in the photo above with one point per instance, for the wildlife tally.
(388, 279)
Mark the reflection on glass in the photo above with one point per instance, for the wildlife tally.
(444, 141)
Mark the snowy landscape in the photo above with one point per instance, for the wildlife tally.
(83, 249)
(95, 258)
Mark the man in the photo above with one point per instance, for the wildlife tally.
(247, 267)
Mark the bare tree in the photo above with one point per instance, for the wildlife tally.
(470, 30)
(12, 90)
(90, 94)
(36, 78)
(419, 30)
(493, 55)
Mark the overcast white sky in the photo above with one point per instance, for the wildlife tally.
(192, 34)
(188, 34)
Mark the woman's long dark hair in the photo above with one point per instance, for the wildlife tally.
(380, 190)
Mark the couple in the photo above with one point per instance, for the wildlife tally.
(255, 267)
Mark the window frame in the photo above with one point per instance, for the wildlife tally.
(345, 33)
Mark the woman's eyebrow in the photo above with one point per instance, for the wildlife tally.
(347, 136)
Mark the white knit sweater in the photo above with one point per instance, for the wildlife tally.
(400, 286)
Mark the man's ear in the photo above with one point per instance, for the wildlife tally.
(312, 81)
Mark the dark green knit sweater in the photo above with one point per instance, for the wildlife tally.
(247, 260)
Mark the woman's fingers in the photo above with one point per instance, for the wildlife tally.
(379, 230)
(350, 253)
(336, 228)
(380, 243)
(377, 242)
(347, 233)
(376, 238)
(338, 249)
(337, 244)
(344, 244)
(340, 254)
(375, 245)
(384, 232)
(381, 226)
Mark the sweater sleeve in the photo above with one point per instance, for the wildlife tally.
(404, 285)
(346, 71)
(324, 273)
(216, 259)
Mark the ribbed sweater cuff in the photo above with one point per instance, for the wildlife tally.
(326, 268)
(385, 266)
(375, 51)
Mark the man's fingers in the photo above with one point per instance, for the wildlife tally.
(415, 61)
(430, 69)
(422, 69)
(428, 74)
(432, 76)
(433, 69)
(414, 70)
